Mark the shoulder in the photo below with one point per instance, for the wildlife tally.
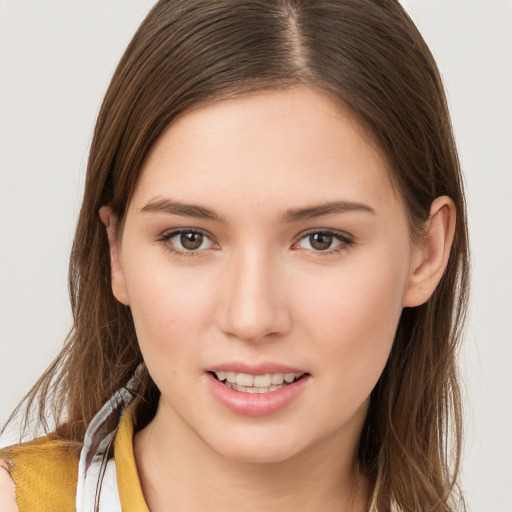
(7, 490)
(43, 472)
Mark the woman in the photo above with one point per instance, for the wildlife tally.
(269, 273)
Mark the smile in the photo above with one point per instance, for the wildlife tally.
(258, 393)
(247, 383)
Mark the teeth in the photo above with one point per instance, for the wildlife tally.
(262, 381)
(252, 390)
(244, 379)
(231, 377)
(256, 383)
(277, 378)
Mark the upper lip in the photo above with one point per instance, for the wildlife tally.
(255, 368)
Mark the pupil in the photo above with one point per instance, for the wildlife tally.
(191, 241)
(320, 241)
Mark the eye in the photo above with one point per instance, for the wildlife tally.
(187, 240)
(324, 241)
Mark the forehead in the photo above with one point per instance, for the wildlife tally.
(282, 147)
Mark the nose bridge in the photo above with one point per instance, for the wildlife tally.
(254, 304)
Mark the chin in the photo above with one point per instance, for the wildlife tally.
(256, 449)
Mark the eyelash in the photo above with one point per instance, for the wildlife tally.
(344, 241)
(165, 238)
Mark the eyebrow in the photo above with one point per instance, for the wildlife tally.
(330, 208)
(293, 215)
(178, 208)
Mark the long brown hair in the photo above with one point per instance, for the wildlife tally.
(369, 57)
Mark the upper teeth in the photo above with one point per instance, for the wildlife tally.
(258, 381)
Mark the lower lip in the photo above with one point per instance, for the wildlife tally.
(256, 404)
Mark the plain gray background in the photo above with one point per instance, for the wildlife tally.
(56, 59)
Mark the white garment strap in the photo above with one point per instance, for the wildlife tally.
(97, 480)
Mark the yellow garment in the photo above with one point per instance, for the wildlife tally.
(45, 472)
(128, 484)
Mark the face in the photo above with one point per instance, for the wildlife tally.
(266, 259)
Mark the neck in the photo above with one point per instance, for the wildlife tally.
(178, 471)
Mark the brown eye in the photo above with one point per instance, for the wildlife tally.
(184, 241)
(320, 241)
(324, 241)
(191, 241)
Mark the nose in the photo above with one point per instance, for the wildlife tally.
(254, 304)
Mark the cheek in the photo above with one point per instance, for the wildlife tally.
(353, 318)
(170, 308)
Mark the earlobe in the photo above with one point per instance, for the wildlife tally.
(109, 220)
(431, 253)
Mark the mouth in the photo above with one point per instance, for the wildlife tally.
(256, 384)
(260, 390)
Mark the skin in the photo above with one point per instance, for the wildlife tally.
(258, 291)
(7, 490)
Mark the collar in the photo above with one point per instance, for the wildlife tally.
(110, 483)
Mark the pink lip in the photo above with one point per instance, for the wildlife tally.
(260, 404)
(254, 369)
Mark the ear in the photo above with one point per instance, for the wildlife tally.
(431, 253)
(109, 220)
